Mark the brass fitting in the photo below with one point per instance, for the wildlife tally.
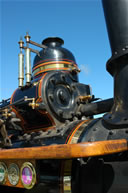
(33, 103)
(6, 113)
(27, 37)
(85, 98)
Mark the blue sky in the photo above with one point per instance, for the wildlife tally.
(80, 23)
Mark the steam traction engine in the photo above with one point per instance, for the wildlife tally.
(50, 141)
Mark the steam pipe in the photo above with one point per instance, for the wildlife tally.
(28, 72)
(27, 37)
(36, 44)
(21, 65)
(33, 50)
(21, 69)
(97, 107)
(28, 65)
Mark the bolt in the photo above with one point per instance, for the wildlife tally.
(60, 113)
(111, 133)
(75, 119)
(67, 122)
(72, 113)
(84, 118)
(91, 140)
(63, 77)
(95, 129)
(74, 87)
(78, 101)
(51, 97)
(110, 117)
(78, 114)
(53, 81)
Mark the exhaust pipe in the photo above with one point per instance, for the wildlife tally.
(116, 15)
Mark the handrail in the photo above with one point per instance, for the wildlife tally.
(66, 151)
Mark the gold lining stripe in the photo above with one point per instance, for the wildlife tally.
(56, 66)
(50, 69)
(77, 132)
(55, 62)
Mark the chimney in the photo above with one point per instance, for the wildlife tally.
(116, 15)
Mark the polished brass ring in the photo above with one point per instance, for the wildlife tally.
(67, 176)
(3, 173)
(28, 175)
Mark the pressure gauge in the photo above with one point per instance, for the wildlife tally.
(3, 173)
(28, 175)
(13, 174)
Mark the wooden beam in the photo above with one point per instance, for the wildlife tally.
(66, 151)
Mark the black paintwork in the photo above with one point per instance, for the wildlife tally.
(105, 174)
(117, 24)
(97, 107)
(116, 12)
(54, 51)
(59, 95)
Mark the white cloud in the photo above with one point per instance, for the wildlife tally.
(85, 69)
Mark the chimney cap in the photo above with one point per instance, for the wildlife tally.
(53, 42)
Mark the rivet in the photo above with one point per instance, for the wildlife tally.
(51, 97)
(63, 77)
(60, 113)
(95, 129)
(52, 81)
(110, 133)
(110, 117)
(90, 140)
(78, 114)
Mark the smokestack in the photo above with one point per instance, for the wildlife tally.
(116, 15)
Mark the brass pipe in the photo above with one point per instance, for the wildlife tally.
(28, 65)
(21, 64)
(36, 44)
(21, 69)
